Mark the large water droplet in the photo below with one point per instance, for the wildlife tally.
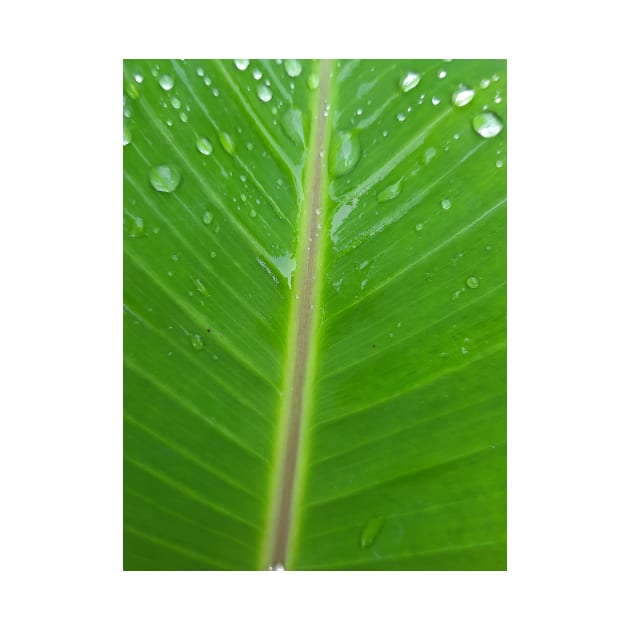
(204, 146)
(127, 136)
(345, 153)
(370, 531)
(207, 217)
(264, 93)
(241, 64)
(227, 142)
(293, 126)
(390, 192)
(165, 178)
(462, 95)
(166, 82)
(293, 67)
(409, 81)
(196, 342)
(487, 124)
(472, 282)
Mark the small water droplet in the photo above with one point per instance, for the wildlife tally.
(166, 82)
(138, 77)
(464, 350)
(462, 95)
(207, 80)
(435, 100)
(419, 227)
(370, 531)
(441, 74)
(200, 72)
(484, 83)
(241, 64)
(127, 136)
(409, 81)
(499, 163)
(136, 227)
(313, 82)
(429, 154)
(175, 102)
(276, 566)
(227, 142)
(264, 93)
(345, 153)
(497, 98)
(390, 192)
(293, 67)
(257, 74)
(165, 178)
(472, 282)
(196, 342)
(207, 217)
(132, 91)
(183, 116)
(487, 124)
(495, 77)
(213, 254)
(204, 146)
(293, 126)
(401, 117)
(201, 287)
(446, 204)
(252, 213)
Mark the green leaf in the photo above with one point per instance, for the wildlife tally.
(314, 314)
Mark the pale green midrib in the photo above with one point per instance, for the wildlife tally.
(301, 335)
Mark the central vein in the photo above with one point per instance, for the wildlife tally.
(302, 332)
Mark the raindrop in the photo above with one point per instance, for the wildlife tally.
(462, 95)
(472, 282)
(313, 82)
(196, 342)
(241, 64)
(257, 74)
(499, 163)
(429, 154)
(345, 153)
(127, 136)
(136, 229)
(401, 117)
(370, 531)
(497, 98)
(293, 126)
(207, 80)
(165, 178)
(204, 146)
(138, 77)
(391, 192)
(227, 142)
(293, 67)
(166, 82)
(183, 116)
(419, 227)
(495, 77)
(132, 91)
(446, 204)
(276, 566)
(252, 214)
(487, 124)
(484, 83)
(409, 81)
(435, 100)
(200, 72)
(175, 102)
(207, 217)
(264, 93)
(441, 74)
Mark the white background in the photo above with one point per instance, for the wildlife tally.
(61, 270)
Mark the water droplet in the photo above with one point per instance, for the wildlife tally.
(293, 126)
(213, 254)
(487, 124)
(196, 342)
(264, 93)
(499, 163)
(227, 142)
(201, 287)
(207, 80)
(401, 117)
(183, 116)
(204, 146)
(472, 282)
(435, 100)
(166, 82)
(138, 77)
(464, 350)
(165, 178)
(446, 204)
(207, 217)
(462, 95)
(257, 74)
(136, 227)
(495, 77)
(497, 98)
(175, 102)
(345, 153)
(390, 192)
(200, 72)
(293, 67)
(370, 531)
(409, 81)
(429, 154)
(241, 64)
(127, 136)
(359, 111)
(276, 566)
(484, 83)
(441, 74)
(313, 82)
(132, 90)
(419, 227)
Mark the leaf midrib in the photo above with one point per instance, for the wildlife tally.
(302, 329)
